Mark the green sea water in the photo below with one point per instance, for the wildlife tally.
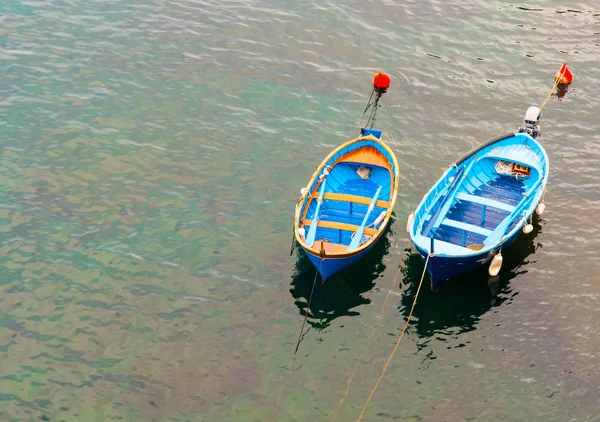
(152, 155)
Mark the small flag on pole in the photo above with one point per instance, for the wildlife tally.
(563, 76)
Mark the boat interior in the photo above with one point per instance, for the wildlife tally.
(354, 181)
(486, 197)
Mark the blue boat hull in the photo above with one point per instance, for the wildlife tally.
(479, 206)
(443, 269)
(331, 266)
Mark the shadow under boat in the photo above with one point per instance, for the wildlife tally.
(343, 292)
(461, 302)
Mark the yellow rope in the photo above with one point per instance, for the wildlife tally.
(367, 347)
(558, 78)
(557, 81)
(549, 95)
(287, 373)
(398, 342)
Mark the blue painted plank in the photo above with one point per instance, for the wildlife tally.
(457, 236)
(485, 201)
(467, 227)
(515, 215)
(359, 233)
(472, 213)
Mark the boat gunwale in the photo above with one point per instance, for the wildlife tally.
(388, 214)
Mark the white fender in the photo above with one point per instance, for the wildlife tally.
(540, 208)
(527, 228)
(495, 265)
(302, 191)
(379, 218)
(411, 218)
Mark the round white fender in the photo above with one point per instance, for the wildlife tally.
(527, 228)
(540, 208)
(411, 218)
(302, 191)
(495, 265)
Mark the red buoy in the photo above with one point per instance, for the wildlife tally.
(381, 82)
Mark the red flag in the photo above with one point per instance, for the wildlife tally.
(564, 76)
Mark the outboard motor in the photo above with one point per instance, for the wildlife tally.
(531, 122)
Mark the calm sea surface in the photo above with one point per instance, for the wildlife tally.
(152, 155)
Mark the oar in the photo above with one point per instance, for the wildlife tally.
(449, 194)
(359, 233)
(312, 231)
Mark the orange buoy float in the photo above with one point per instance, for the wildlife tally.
(381, 82)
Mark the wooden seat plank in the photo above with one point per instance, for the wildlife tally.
(352, 198)
(340, 226)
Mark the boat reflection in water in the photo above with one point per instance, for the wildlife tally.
(459, 304)
(343, 293)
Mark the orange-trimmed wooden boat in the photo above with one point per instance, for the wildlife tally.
(349, 200)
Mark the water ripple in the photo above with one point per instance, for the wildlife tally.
(152, 155)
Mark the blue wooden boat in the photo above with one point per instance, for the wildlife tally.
(348, 201)
(481, 204)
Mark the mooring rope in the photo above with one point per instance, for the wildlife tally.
(293, 358)
(399, 339)
(549, 95)
(558, 79)
(364, 353)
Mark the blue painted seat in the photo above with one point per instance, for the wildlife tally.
(477, 214)
(467, 227)
(457, 236)
(485, 201)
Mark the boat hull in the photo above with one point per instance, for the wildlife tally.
(479, 206)
(347, 205)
